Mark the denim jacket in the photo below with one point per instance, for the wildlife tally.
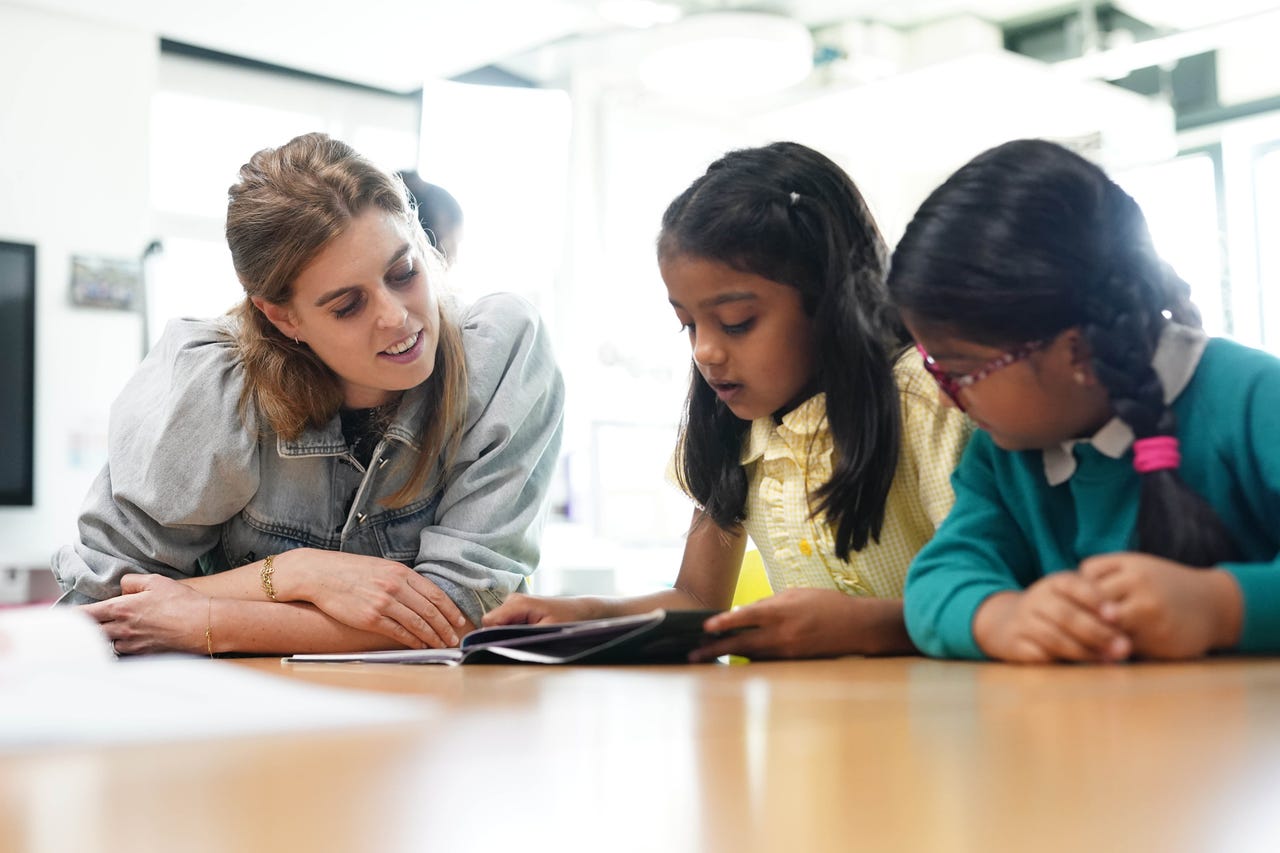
(191, 487)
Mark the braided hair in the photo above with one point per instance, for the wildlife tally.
(1029, 239)
(787, 213)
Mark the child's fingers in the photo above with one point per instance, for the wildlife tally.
(518, 609)
(1027, 650)
(712, 651)
(748, 616)
(1080, 590)
(1123, 600)
(1132, 610)
(1101, 566)
(1091, 631)
(1070, 647)
(739, 644)
(1060, 643)
(1114, 582)
(1116, 591)
(1091, 596)
(755, 634)
(1071, 627)
(503, 615)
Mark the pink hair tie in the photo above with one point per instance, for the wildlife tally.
(1156, 454)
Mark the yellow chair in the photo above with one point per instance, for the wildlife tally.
(753, 582)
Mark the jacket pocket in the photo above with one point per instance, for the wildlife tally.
(399, 531)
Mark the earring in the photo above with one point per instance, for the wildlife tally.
(297, 342)
(1079, 377)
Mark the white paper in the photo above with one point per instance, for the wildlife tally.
(38, 636)
(66, 695)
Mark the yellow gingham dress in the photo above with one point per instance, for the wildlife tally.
(786, 461)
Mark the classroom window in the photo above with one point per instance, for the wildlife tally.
(1266, 226)
(1179, 198)
(207, 119)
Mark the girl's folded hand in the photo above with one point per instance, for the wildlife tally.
(1171, 611)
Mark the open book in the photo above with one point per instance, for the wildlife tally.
(660, 636)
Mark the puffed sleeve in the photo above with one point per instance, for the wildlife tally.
(934, 436)
(487, 530)
(180, 462)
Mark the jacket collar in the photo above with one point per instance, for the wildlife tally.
(328, 440)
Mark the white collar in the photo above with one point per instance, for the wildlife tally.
(1177, 355)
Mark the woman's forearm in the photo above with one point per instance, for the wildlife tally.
(369, 594)
(245, 583)
(259, 627)
(290, 578)
(158, 614)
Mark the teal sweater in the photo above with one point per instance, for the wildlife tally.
(1009, 527)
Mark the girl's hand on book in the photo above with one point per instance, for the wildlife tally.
(153, 613)
(803, 623)
(1057, 618)
(521, 609)
(1170, 610)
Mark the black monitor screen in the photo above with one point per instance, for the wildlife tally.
(17, 372)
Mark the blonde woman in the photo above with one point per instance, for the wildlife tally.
(345, 461)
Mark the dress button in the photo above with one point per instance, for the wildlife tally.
(805, 548)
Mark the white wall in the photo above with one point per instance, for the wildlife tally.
(74, 104)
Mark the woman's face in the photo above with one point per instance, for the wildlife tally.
(365, 307)
(752, 341)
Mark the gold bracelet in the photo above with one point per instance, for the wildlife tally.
(268, 566)
(208, 629)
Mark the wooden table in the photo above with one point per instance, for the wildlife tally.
(896, 754)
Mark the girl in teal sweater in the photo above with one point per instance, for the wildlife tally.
(1121, 499)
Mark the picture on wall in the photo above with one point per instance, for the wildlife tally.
(112, 283)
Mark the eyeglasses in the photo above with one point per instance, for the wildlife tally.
(953, 385)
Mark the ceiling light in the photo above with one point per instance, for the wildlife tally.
(727, 54)
(639, 14)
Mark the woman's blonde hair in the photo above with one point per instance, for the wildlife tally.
(288, 203)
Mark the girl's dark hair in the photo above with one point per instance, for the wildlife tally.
(786, 213)
(1029, 239)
